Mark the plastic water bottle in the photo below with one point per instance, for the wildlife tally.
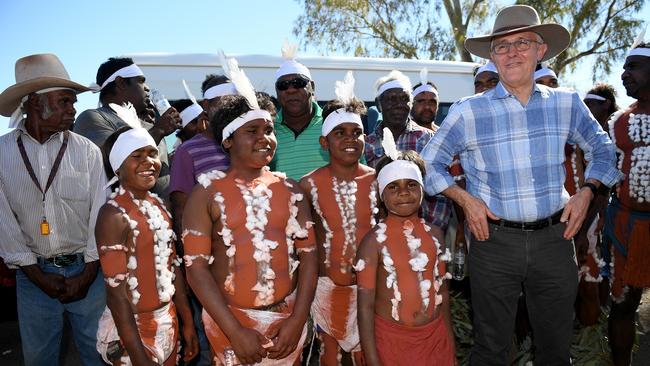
(230, 357)
(458, 265)
(159, 101)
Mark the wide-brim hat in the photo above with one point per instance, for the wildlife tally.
(34, 73)
(521, 18)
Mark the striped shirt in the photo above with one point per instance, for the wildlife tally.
(71, 203)
(193, 157)
(299, 155)
(513, 155)
(435, 209)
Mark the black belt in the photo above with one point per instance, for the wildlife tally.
(63, 260)
(531, 225)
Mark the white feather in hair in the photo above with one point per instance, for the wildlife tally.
(127, 114)
(289, 50)
(388, 143)
(424, 76)
(640, 38)
(344, 90)
(188, 93)
(239, 79)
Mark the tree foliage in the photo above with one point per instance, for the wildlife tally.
(436, 29)
(600, 29)
(380, 28)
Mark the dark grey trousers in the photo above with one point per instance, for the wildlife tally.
(545, 264)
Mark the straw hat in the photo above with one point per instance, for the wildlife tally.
(521, 18)
(34, 73)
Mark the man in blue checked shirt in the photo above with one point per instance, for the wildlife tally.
(511, 145)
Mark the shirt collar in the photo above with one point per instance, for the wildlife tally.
(23, 131)
(500, 91)
(318, 113)
(410, 127)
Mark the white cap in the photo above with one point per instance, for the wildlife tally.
(544, 71)
(128, 142)
(396, 170)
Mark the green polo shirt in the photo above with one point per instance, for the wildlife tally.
(297, 156)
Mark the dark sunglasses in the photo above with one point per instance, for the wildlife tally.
(297, 83)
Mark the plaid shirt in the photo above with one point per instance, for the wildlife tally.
(513, 155)
(435, 209)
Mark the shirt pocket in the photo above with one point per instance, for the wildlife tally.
(72, 186)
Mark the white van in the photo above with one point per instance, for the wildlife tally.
(164, 72)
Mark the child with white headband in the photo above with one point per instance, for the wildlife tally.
(249, 246)
(135, 242)
(404, 316)
(343, 195)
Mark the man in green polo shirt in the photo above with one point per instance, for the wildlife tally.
(299, 122)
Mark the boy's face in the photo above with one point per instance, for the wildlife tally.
(402, 197)
(252, 145)
(345, 143)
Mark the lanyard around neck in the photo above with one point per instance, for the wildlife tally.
(55, 167)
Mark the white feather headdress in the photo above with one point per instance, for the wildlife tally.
(188, 93)
(289, 50)
(239, 79)
(344, 90)
(639, 39)
(424, 76)
(290, 65)
(127, 113)
(388, 143)
(424, 84)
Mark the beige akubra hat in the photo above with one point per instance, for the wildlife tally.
(35, 73)
(521, 18)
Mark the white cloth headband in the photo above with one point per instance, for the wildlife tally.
(126, 72)
(639, 51)
(544, 71)
(338, 117)
(18, 114)
(292, 67)
(487, 67)
(393, 84)
(188, 114)
(425, 88)
(241, 120)
(220, 91)
(594, 96)
(128, 142)
(398, 169)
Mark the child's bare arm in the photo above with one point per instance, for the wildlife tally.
(182, 303)
(366, 268)
(111, 234)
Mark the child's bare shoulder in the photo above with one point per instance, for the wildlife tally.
(367, 171)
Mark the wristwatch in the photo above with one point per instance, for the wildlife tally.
(591, 186)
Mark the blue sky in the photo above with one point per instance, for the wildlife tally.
(85, 33)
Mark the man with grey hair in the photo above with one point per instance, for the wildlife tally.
(394, 101)
(511, 140)
(51, 188)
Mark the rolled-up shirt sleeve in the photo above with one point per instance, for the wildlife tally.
(440, 151)
(13, 249)
(598, 147)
